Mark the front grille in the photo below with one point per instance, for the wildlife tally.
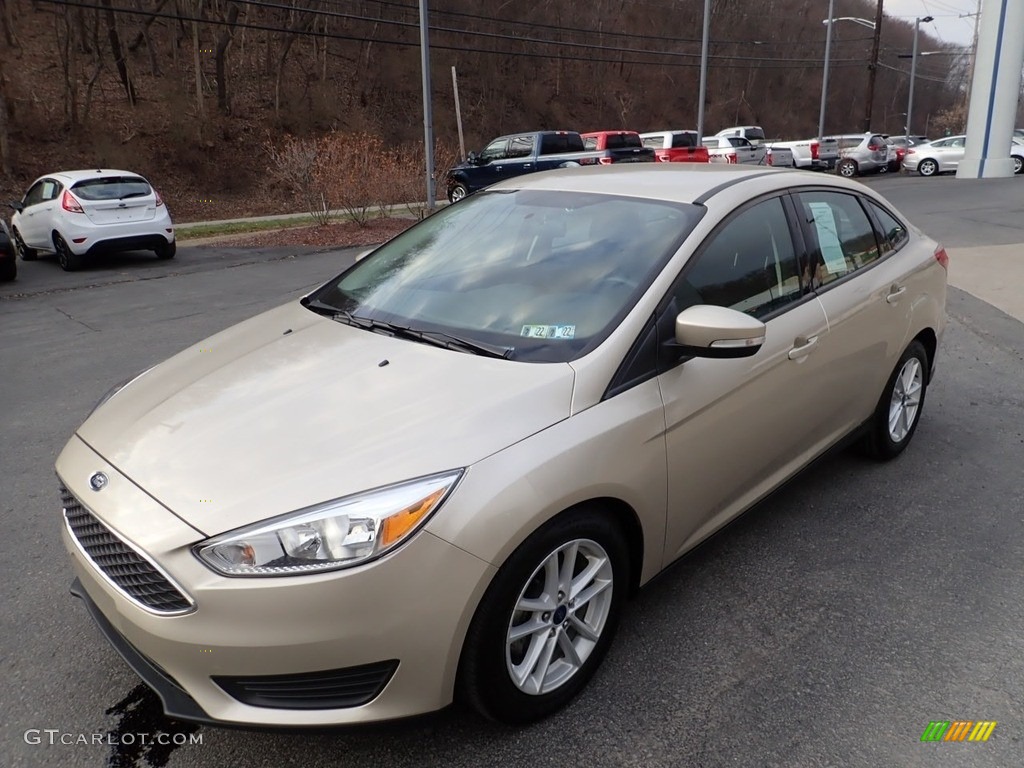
(330, 689)
(125, 568)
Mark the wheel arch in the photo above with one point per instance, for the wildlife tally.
(930, 340)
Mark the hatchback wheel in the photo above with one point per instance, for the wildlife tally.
(167, 250)
(847, 168)
(68, 261)
(928, 168)
(899, 409)
(26, 253)
(547, 619)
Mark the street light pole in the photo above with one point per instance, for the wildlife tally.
(824, 78)
(913, 69)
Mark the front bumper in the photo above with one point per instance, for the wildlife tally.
(412, 606)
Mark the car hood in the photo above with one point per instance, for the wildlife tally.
(291, 409)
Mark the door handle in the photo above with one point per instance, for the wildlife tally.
(527, 165)
(895, 292)
(803, 346)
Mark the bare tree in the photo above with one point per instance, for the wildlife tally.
(224, 41)
(115, 48)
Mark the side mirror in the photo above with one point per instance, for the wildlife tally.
(708, 331)
(363, 254)
(18, 206)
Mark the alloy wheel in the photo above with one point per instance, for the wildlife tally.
(906, 399)
(559, 617)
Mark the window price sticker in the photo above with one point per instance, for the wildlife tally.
(549, 331)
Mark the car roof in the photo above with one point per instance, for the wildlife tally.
(95, 173)
(676, 182)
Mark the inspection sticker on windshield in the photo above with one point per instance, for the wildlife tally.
(549, 331)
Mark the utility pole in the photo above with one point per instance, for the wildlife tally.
(824, 76)
(428, 116)
(705, 38)
(873, 68)
(458, 116)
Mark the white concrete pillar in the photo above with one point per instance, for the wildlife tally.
(995, 90)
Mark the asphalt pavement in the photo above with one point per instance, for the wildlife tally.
(826, 627)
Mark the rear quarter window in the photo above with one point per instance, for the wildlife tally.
(112, 188)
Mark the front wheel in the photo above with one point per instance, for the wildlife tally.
(457, 192)
(547, 619)
(1018, 164)
(928, 168)
(847, 169)
(26, 253)
(899, 409)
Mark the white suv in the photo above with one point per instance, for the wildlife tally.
(79, 213)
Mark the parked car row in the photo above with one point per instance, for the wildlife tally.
(520, 153)
(78, 214)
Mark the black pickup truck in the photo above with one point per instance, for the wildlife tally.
(516, 154)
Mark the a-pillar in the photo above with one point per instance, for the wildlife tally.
(995, 90)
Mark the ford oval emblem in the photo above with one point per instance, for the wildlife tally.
(98, 481)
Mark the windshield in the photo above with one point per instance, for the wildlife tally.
(546, 273)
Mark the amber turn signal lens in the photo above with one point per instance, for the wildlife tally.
(397, 525)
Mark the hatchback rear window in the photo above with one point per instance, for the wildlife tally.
(111, 188)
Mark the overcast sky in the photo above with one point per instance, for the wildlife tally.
(947, 26)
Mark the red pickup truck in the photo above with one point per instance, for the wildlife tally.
(618, 147)
(676, 146)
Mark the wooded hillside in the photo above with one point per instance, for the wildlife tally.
(192, 92)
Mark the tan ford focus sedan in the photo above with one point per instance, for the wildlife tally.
(440, 475)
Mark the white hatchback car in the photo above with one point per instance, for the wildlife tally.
(80, 213)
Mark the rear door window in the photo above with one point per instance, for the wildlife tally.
(840, 237)
(111, 188)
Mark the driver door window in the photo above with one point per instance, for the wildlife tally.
(750, 265)
(35, 195)
(496, 150)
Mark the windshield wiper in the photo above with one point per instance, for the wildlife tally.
(133, 194)
(319, 307)
(436, 338)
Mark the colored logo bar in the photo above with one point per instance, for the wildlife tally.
(958, 730)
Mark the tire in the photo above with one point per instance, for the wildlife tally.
(26, 253)
(928, 167)
(457, 192)
(490, 659)
(899, 409)
(1018, 164)
(8, 270)
(846, 168)
(167, 250)
(68, 261)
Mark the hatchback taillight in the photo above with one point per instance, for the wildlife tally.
(159, 200)
(69, 204)
(942, 257)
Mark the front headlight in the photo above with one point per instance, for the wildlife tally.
(337, 534)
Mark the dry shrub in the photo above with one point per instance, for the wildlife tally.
(295, 165)
(358, 173)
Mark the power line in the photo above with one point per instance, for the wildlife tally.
(764, 63)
